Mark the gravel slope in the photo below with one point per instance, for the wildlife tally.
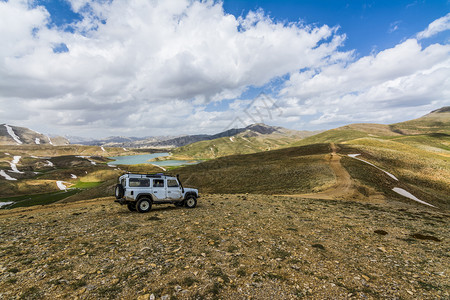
(228, 247)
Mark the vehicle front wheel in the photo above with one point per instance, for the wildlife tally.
(132, 206)
(144, 205)
(190, 202)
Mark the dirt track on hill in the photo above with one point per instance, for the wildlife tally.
(344, 186)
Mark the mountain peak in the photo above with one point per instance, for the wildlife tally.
(261, 128)
(444, 109)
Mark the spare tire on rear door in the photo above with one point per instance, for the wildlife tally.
(119, 191)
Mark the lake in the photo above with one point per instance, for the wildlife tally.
(143, 159)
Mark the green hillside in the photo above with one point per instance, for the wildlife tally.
(306, 169)
(232, 145)
(438, 121)
(425, 173)
(291, 170)
(332, 136)
(430, 133)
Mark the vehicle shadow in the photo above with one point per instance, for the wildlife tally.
(158, 208)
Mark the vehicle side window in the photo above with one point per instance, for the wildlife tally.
(158, 182)
(139, 182)
(172, 183)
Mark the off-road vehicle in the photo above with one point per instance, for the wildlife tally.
(140, 191)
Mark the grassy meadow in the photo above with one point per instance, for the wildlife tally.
(231, 146)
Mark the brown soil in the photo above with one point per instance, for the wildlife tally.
(344, 187)
(228, 247)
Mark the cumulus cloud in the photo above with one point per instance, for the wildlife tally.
(404, 80)
(137, 67)
(437, 26)
(148, 52)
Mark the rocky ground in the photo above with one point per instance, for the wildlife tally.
(228, 247)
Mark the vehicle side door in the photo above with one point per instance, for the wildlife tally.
(159, 189)
(174, 190)
(138, 186)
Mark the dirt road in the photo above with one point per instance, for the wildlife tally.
(344, 186)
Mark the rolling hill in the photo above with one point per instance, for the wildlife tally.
(252, 139)
(431, 131)
(437, 121)
(170, 142)
(434, 124)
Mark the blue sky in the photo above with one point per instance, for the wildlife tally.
(98, 68)
(369, 25)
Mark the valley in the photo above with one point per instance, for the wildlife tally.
(280, 216)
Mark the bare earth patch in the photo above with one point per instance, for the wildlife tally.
(229, 247)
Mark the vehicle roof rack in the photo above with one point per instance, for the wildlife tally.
(150, 175)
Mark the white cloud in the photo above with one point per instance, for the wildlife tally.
(147, 52)
(386, 87)
(144, 68)
(437, 26)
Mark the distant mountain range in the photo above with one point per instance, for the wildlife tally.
(179, 141)
(261, 136)
(14, 135)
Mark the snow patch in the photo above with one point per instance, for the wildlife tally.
(410, 196)
(61, 186)
(125, 149)
(103, 149)
(232, 138)
(5, 203)
(7, 177)
(13, 135)
(355, 157)
(50, 141)
(88, 158)
(73, 176)
(159, 167)
(14, 163)
(7, 154)
(37, 141)
(49, 164)
(16, 159)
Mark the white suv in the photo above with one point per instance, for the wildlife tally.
(140, 191)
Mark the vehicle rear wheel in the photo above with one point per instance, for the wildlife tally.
(144, 205)
(190, 202)
(119, 191)
(132, 206)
